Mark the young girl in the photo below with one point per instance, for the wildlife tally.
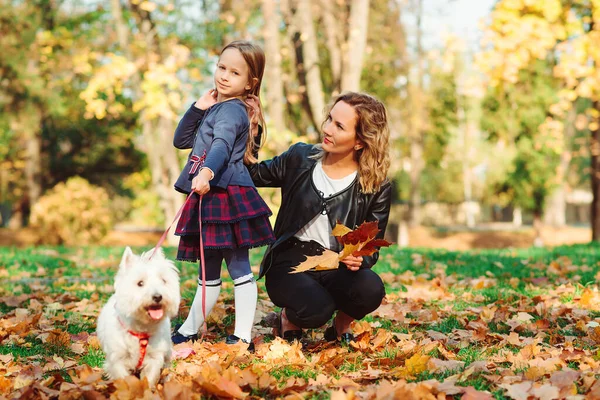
(234, 216)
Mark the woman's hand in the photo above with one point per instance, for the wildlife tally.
(200, 183)
(254, 103)
(208, 99)
(353, 263)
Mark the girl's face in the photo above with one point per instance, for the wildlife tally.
(231, 76)
(339, 130)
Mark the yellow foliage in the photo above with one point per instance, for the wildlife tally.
(72, 213)
(415, 365)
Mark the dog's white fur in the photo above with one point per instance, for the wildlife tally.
(139, 284)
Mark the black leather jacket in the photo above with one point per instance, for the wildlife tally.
(301, 202)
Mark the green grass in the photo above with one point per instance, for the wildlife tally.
(87, 273)
(289, 371)
(76, 323)
(501, 264)
(34, 347)
(447, 325)
(471, 354)
(93, 358)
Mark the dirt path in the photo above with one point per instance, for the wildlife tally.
(493, 239)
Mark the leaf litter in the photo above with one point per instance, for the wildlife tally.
(417, 345)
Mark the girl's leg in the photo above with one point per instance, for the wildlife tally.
(195, 319)
(245, 291)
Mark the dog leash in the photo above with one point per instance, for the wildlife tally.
(202, 265)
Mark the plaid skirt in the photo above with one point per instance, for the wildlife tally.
(232, 218)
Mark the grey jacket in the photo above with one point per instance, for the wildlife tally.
(219, 134)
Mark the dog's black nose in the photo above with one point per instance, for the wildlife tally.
(157, 298)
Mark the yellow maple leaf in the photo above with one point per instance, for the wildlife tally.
(340, 230)
(349, 249)
(328, 260)
(587, 298)
(416, 364)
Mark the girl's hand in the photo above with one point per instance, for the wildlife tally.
(353, 263)
(254, 103)
(200, 183)
(208, 99)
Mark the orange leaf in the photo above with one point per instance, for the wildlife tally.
(371, 247)
(473, 394)
(5, 385)
(364, 233)
(358, 242)
(225, 388)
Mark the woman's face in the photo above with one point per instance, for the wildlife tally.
(339, 130)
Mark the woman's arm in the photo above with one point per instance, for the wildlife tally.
(379, 211)
(271, 173)
(186, 129)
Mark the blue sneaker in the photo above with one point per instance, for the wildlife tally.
(177, 337)
(232, 339)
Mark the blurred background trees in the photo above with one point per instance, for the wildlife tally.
(504, 130)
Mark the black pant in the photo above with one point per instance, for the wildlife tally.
(310, 298)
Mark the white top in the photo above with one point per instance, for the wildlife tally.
(319, 229)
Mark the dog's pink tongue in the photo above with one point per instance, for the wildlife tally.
(156, 314)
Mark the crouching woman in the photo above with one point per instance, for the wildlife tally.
(341, 179)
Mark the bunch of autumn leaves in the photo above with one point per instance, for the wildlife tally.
(358, 242)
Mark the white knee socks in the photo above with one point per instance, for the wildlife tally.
(245, 296)
(195, 318)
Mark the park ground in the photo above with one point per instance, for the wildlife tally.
(508, 323)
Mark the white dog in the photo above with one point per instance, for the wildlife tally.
(134, 325)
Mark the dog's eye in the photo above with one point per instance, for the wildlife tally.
(164, 280)
(141, 283)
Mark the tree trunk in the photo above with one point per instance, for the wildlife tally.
(33, 163)
(157, 134)
(334, 39)
(556, 210)
(293, 49)
(595, 178)
(465, 127)
(274, 83)
(354, 48)
(537, 229)
(310, 65)
(416, 170)
(517, 217)
(163, 166)
(416, 127)
(236, 13)
(403, 234)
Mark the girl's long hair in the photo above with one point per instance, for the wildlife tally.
(373, 131)
(255, 59)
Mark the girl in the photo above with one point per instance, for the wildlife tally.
(234, 216)
(341, 179)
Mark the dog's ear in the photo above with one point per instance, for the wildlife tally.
(128, 258)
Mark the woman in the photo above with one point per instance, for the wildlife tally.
(341, 179)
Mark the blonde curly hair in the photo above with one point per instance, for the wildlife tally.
(373, 131)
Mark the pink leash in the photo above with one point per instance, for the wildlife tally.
(164, 236)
